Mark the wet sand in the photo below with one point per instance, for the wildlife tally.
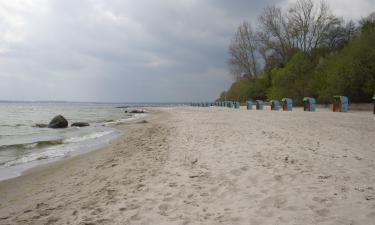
(210, 166)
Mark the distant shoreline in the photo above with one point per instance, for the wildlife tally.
(130, 104)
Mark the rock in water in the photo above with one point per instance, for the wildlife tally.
(58, 122)
(137, 111)
(41, 125)
(80, 124)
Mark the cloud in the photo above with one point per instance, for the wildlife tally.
(110, 50)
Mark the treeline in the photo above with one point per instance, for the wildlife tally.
(303, 51)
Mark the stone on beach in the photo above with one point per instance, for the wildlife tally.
(41, 125)
(80, 124)
(137, 111)
(58, 122)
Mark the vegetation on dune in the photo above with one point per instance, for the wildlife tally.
(303, 51)
(245, 89)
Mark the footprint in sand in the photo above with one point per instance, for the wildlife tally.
(163, 209)
(135, 217)
(322, 212)
(371, 215)
(277, 201)
(96, 211)
(52, 220)
(245, 168)
(253, 180)
(236, 172)
(278, 178)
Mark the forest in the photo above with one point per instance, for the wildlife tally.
(303, 50)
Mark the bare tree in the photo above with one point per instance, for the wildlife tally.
(337, 36)
(310, 23)
(275, 32)
(304, 26)
(370, 18)
(368, 23)
(243, 52)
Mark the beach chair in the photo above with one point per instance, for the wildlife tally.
(249, 105)
(275, 105)
(287, 104)
(309, 104)
(259, 104)
(340, 103)
(236, 105)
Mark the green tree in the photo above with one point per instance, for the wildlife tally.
(246, 89)
(293, 80)
(351, 72)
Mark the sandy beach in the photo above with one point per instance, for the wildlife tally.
(210, 166)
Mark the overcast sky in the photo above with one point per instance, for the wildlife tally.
(125, 50)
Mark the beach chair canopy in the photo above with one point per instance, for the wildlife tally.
(373, 98)
(287, 100)
(342, 99)
(275, 102)
(309, 100)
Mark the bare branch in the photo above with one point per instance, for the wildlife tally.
(243, 52)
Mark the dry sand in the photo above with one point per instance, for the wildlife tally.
(211, 166)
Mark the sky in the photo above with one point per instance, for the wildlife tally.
(126, 50)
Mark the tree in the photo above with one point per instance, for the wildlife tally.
(243, 53)
(275, 33)
(338, 36)
(368, 23)
(311, 23)
(245, 89)
(293, 80)
(303, 51)
(304, 26)
(350, 72)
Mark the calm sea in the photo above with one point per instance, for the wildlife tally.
(22, 145)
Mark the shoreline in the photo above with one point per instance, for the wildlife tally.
(36, 182)
(119, 126)
(210, 166)
(94, 144)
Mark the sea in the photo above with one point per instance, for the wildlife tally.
(23, 145)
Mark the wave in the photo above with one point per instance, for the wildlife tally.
(49, 143)
(35, 156)
(25, 146)
(13, 125)
(56, 148)
(87, 137)
(128, 119)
